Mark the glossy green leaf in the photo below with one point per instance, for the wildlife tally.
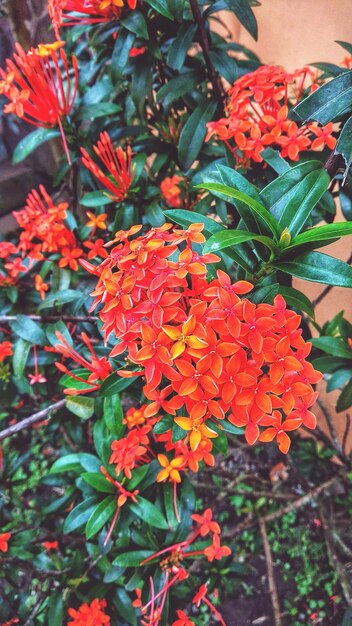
(55, 612)
(98, 482)
(149, 513)
(101, 514)
(79, 515)
(20, 355)
(133, 558)
(333, 345)
(135, 22)
(224, 175)
(29, 330)
(185, 218)
(319, 235)
(245, 15)
(113, 414)
(92, 112)
(264, 221)
(177, 87)
(178, 50)
(229, 238)
(328, 364)
(344, 146)
(58, 298)
(67, 463)
(327, 103)
(124, 606)
(120, 55)
(193, 133)
(339, 379)
(345, 399)
(32, 141)
(275, 160)
(318, 268)
(95, 199)
(81, 406)
(114, 384)
(161, 7)
(292, 196)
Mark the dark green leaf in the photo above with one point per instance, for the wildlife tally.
(92, 112)
(67, 463)
(339, 379)
(25, 328)
(124, 606)
(120, 55)
(20, 355)
(114, 384)
(79, 515)
(193, 133)
(58, 298)
(141, 86)
(328, 364)
(101, 514)
(161, 7)
(321, 234)
(345, 399)
(177, 87)
(229, 238)
(245, 15)
(224, 64)
(327, 103)
(180, 45)
(113, 414)
(275, 160)
(227, 176)
(135, 22)
(344, 146)
(32, 141)
(95, 199)
(292, 196)
(149, 513)
(55, 612)
(318, 268)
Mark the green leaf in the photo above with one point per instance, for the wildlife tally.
(177, 87)
(32, 141)
(297, 299)
(292, 196)
(114, 384)
(92, 112)
(169, 505)
(224, 64)
(227, 176)
(345, 399)
(327, 103)
(67, 463)
(20, 356)
(245, 15)
(185, 218)
(193, 133)
(149, 513)
(124, 606)
(95, 199)
(113, 414)
(264, 221)
(97, 481)
(132, 558)
(320, 235)
(332, 345)
(79, 515)
(344, 146)
(58, 298)
(318, 268)
(161, 7)
(120, 55)
(275, 160)
(228, 238)
(141, 86)
(138, 474)
(81, 406)
(135, 22)
(339, 379)
(55, 612)
(328, 364)
(178, 50)
(230, 428)
(100, 515)
(29, 330)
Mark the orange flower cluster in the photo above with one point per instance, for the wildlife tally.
(225, 359)
(44, 230)
(39, 87)
(92, 614)
(170, 560)
(257, 116)
(118, 164)
(5, 350)
(91, 11)
(171, 192)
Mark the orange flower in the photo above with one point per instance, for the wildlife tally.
(118, 164)
(206, 523)
(96, 221)
(40, 285)
(170, 468)
(5, 350)
(183, 619)
(171, 192)
(69, 257)
(4, 537)
(92, 614)
(216, 551)
(278, 430)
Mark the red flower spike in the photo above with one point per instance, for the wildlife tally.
(89, 614)
(118, 164)
(38, 86)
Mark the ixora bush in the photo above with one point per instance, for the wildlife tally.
(148, 315)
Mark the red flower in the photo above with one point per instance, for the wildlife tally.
(91, 11)
(5, 350)
(39, 87)
(136, 52)
(183, 619)
(118, 164)
(92, 614)
(51, 545)
(4, 537)
(207, 524)
(215, 550)
(171, 192)
(278, 430)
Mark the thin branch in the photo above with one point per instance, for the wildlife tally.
(330, 423)
(270, 571)
(32, 419)
(335, 562)
(204, 42)
(51, 318)
(346, 433)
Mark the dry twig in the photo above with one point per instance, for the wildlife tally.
(32, 419)
(271, 576)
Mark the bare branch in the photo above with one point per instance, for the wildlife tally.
(32, 419)
(270, 571)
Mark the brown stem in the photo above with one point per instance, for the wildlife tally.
(32, 419)
(346, 433)
(334, 163)
(51, 318)
(270, 571)
(204, 43)
(333, 558)
(330, 423)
